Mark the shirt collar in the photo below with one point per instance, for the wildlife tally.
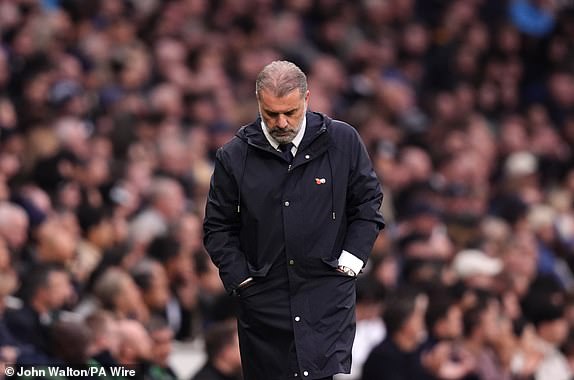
(296, 141)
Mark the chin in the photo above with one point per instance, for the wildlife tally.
(283, 139)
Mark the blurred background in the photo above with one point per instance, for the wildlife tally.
(110, 115)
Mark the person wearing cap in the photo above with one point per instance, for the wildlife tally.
(476, 269)
(291, 218)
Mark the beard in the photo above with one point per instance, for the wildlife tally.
(283, 136)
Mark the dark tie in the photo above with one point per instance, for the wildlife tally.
(286, 151)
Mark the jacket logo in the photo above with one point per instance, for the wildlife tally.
(320, 181)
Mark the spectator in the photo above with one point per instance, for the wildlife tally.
(465, 108)
(476, 269)
(151, 279)
(135, 345)
(544, 306)
(178, 266)
(9, 345)
(223, 359)
(162, 336)
(44, 292)
(13, 226)
(117, 292)
(104, 337)
(481, 332)
(166, 205)
(399, 356)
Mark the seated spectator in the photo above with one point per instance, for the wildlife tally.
(150, 277)
(135, 345)
(97, 237)
(13, 226)
(70, 342)
(69, 346)
(178, 266)
(223, 358)
(481, 333)
(476, 269)
(162, 337)
(443, 320)
(399, 356)
(544, 306)
(104, 337)
(117, 292)
(9, 345)
(44, 292)
(167, 204)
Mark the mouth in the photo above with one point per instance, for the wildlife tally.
(280, 133)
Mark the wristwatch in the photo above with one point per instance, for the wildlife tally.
(244, 284)
(348, 271)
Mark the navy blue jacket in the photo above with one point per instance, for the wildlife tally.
(261, 211)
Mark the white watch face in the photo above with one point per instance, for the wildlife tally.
(348, 271)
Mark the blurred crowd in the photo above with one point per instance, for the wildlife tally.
(110, 115)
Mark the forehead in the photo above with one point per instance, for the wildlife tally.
(271, 103)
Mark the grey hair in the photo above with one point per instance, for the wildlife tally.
(280, 78)
(109, 285)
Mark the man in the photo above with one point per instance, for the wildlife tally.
(161, 335)
(544, 306)
(45, 290)
(400, 355)
(116, 291)
(14, 225)
(223, 359)
(482, 328)
(292, 215)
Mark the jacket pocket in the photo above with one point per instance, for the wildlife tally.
(332, 265)
(258, 272)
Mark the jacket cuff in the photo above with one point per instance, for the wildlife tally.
(347, 259)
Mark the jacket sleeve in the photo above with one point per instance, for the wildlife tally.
(222, 225)
(364, 198)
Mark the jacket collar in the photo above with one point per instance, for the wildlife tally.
(316, 125)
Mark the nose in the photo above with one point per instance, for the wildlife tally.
(282, 121)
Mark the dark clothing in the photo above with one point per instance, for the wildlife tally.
(388, 362)
(6, 336)
(285, 225)
(209, 372)
(27, 353)
(27, 328)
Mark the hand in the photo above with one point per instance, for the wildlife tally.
(244, 284)
(346, 270)
(438, 361)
